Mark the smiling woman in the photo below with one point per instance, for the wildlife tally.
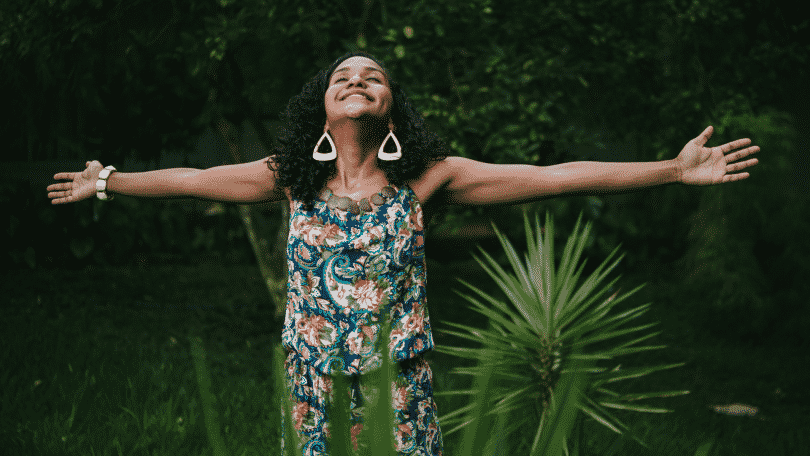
(357, 90)
(354, 266)
(356, 246)
(357, 102)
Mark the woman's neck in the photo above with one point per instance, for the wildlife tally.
(357, 144)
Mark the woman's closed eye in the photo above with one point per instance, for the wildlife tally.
(343, 78)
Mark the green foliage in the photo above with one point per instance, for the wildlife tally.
(555, 327)
(74, 344)
(745, 241)
(126, 232)
(508, 82)
(208, 399)
(282, 396)
(568, 73)
(504, 82)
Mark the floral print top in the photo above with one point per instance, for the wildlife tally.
(346, 273)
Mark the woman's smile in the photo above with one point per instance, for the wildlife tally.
(358, 94)
(358, 79)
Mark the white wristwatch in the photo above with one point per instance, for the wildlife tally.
(101, 184)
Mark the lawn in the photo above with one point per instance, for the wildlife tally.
(98, 361)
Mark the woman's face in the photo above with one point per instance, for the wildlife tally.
(358, 87)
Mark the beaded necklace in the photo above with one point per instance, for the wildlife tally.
(347, 204)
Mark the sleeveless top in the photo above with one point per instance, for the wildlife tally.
(348, 272)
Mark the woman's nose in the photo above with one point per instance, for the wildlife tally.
(356, 80)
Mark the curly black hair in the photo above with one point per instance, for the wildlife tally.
(304, 119)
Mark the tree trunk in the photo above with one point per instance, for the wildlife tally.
(270, 253)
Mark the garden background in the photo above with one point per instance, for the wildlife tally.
(99, 300)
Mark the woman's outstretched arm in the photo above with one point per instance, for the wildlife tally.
(242, 183)
(469, 182)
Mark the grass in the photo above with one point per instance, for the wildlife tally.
(102, 362)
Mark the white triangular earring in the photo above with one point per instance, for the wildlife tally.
(327, 156)
(383, 155)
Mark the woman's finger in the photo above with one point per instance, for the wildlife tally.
(704, 137)
(64, 176)
(58, 199)
(741, 154)
(735, 177)
(725, 148)
(741, 165)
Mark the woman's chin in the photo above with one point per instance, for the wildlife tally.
(363, 115)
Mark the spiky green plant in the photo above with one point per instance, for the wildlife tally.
(538, 362)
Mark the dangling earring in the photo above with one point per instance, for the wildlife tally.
(327, 156)
(383, 155)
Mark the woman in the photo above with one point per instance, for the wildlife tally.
(357, 214)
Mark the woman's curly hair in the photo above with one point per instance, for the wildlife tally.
(304, 119)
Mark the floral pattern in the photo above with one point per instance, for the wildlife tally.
(347, 274)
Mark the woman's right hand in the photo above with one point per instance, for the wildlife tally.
(81, 186)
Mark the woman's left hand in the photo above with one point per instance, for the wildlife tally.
(701, 165)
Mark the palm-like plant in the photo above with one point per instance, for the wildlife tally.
(537, 366)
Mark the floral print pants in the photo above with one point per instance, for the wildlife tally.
(417, 432)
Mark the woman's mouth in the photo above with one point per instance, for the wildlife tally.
(356, 95)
